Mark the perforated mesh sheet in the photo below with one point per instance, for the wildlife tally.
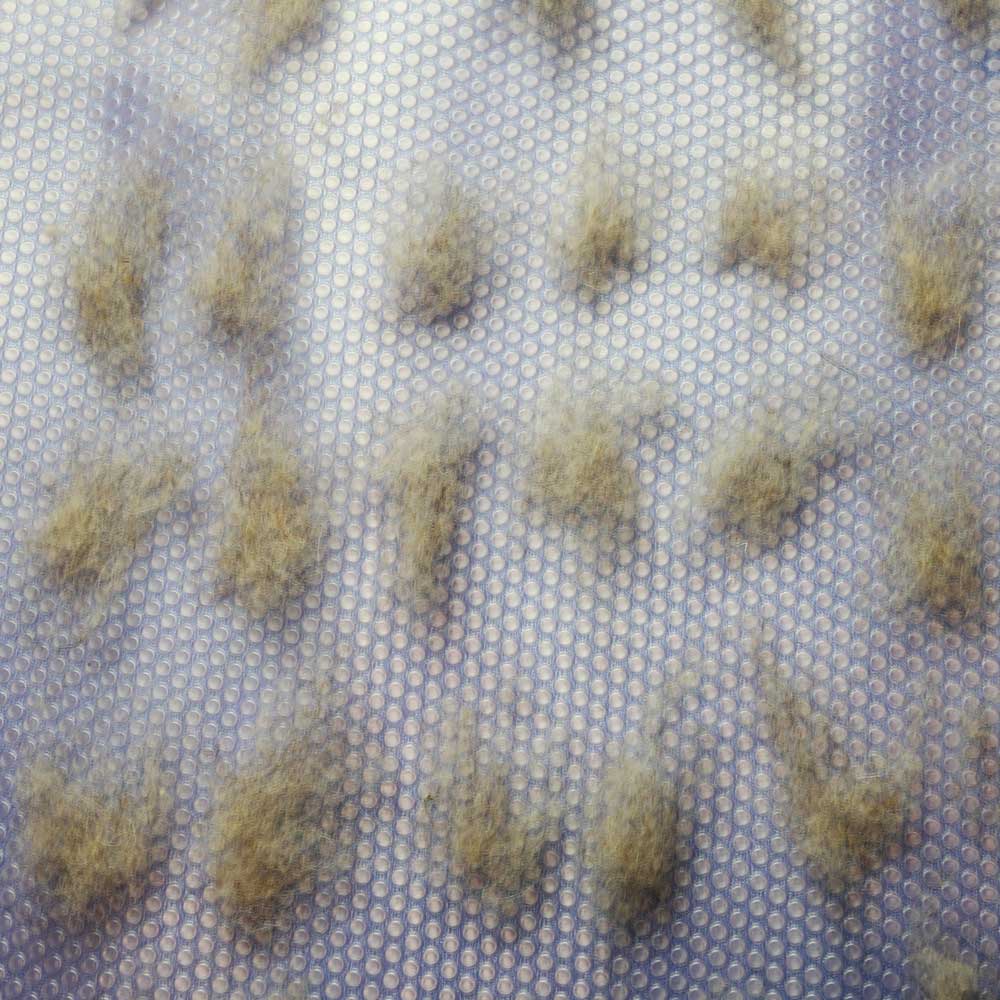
(557, 650)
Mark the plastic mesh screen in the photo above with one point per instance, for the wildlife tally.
(556, 645)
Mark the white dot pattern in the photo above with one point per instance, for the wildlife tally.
(557, 640)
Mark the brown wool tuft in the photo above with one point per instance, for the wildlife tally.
(423, 471)
(270, 25)
(579, 462)
(632, 843)
(935, 549)
(600, 232)
(758, 472)
(556, 15)
(87, 542)
(759, 225)
(493, 843)
(968, 16)
(274, 527)
(87, 841)
(767, 19)
(270, 827)
(935, 264)
(110, 273)
(944, 978)
(434, 248)
(242, 283)
(845, 817)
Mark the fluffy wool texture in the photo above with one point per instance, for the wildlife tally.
(935, 552)
(110, 273)
(579, 462)
(242, 282)
(767, 19)
(489, 842)
(968, 15)
(845, 816)
(758, 224)
(272, 24)
(434, 247)
(493, 842)
(977, 732)
(270, 827)
(423, 472)
(556, 14)
(88, 841)
(632, 842)
(758, 471)
(273, 523)
(601, 230)
(935, 262)
(87, 542)
(944, 978)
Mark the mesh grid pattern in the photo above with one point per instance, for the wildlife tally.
(557, 649)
